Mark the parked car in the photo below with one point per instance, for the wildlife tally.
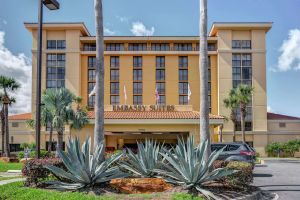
(235, 151)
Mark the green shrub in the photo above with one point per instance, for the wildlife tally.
(242, 178)
(43, 154)
(285, 149)
(185, 196)
(35, 171)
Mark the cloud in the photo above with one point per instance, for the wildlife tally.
(107, 31)
(122, 19)
(269, 109)
(139, 29)
(18, 67)
(290, 52)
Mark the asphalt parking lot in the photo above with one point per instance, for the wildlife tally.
(279, 176)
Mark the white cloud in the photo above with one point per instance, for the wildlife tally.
(139, 29)
(18, 67)
(122, 19)
(290, 52)
(107, 31)
(269, 109)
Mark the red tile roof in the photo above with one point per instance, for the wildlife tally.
(151, 115)
(134, 115)
(274, 116)
(23, 116)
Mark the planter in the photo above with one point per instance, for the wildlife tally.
(140, 185)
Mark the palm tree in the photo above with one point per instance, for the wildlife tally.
(99, 87)
(7, 85)
(231, 103)
(59, 103)
(2, 118)
(244, 97)
(203, 69)
(46, 120)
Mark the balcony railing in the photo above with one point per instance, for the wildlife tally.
(210, 48)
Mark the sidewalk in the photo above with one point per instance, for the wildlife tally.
(11, 181)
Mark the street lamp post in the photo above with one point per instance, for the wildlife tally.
(51, 5)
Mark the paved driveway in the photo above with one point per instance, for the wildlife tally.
(281, 177)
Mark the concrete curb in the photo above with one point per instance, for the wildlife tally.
(11, 181)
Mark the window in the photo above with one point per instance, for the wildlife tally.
(183, 75)
(282, 125)
(160, 47)
(91, 87)
(137, 75)
(114, 61)
(114, 47)
(241, 44)
(137, 61)
(15, 124)
(137, 46)
(114, 100)
(160, 62)
(114, 88)
(183, 47)
(92, 74)
(138, 88)
(15, 147)
(114, 75)
(160, 88)
(183, 62)
(183, 88)
(91, 62)
(183, 100)
(51, 44)
(160, 75)
(137, 100)
(61, 44)
(241, 69)
(211, 47)
(91, 102)
(89, 47)
(162, 100)
(55, 71)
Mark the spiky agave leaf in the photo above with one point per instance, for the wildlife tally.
(185, 165)
(145, 161)
(83, 168)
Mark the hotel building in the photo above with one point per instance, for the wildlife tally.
(138, 69)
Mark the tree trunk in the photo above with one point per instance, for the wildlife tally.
(59, 140)
(221, 133)
(7, 150)
(50, 139)
(233, 119)
(243, 116)
(99, 101)
(2, 129)
(203, 69)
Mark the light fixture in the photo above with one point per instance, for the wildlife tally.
(51, 4)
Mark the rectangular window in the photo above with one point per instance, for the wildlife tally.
(183, 47)
(138, 88)
(91, 87)
(160, 47)
(91, 62)
(241, 44)
(282, 125)
(160, 75)
(160, 62)
(15, 124)
(183, 62)
(211, 47)
(114, 75)
(114, 61)
(160, 88)
(137, 75)
(183, 75)
(137, 46)
(92, 74)
(61, 44)
(91, 102)
(114, 88)
(55, 71)
(89, 47)
(162, 100)
(51, 44)
(137, 100)
(137, 61)
(183, 88)
(114, 47)
(114, 99)
(183, 100)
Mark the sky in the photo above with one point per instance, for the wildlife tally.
(162, 17)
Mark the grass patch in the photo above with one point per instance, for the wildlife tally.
(16, 190)
(10, 166)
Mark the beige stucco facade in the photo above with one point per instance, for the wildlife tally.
(221, 38)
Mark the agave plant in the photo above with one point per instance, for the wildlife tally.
(145, 161)
(84, 169)
(185, 165)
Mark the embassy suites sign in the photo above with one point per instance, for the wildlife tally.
(143, 108)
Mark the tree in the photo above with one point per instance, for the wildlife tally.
(203, 69)
(59, 103)
(99, 87)
(244, 97)
(46, 120)
(7, 85)
(2, 118)
(231, 103)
